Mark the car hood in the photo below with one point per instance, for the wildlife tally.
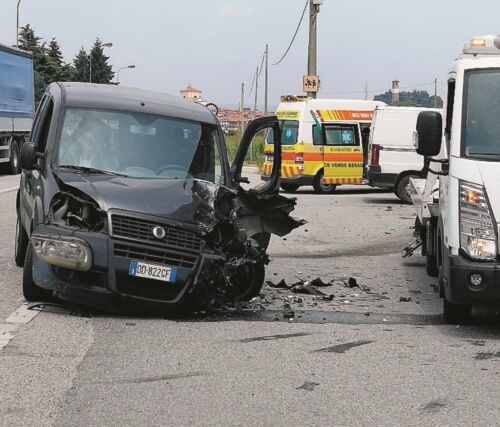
(190, 201)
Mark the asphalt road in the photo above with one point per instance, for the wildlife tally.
(363, 358)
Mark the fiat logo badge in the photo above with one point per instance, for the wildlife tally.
(159, 232)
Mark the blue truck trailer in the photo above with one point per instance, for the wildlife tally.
(17, 105)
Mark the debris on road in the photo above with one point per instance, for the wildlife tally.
(405, 299)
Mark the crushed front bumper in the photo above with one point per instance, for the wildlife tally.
(108, 283)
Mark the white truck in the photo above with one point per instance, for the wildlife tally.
(458, 205)
(17, 105)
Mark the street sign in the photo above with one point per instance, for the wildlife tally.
(310, 84)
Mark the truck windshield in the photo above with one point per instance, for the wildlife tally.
(481, 137)
(139, 145)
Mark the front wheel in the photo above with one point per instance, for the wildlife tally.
(249, 282)
(20, 244)
(455, 314)
(31, 291)
(321, 188)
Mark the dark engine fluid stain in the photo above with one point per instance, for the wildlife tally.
(342, 348)
(275, 337)
(434, 406)
(487, 355)
(309, 386)
(315, 316)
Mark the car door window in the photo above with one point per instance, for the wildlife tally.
(337, 136)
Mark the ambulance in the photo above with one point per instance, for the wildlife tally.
(324, 142)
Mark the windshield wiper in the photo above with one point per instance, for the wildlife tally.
(87, 169)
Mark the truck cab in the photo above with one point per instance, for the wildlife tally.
(459, 202)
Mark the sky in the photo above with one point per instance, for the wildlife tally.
(215, 45)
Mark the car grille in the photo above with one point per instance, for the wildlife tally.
(139, 229)
(155, 255)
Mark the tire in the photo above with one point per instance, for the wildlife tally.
(431, 257)
(289, 188)
(402, 189)
(20, 244)
(31, 291)
(14, 166)
(455, 314)
(431, 265)
(321, 188)
(255, 284)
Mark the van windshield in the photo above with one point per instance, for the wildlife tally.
(481, 138)
(139, 145)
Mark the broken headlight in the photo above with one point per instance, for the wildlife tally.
(477, 228)
(66, 252)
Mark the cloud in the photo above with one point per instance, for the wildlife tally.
(235, 11)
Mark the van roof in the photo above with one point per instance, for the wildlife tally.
(113, 97)
(403, 109)
(322, 104)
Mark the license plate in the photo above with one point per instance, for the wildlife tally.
(152, 271)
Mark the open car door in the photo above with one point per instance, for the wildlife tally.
(263, 211)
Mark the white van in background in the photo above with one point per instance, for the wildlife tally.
(392, 158)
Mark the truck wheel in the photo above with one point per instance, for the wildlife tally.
(455, 314)
(31, 291)
(289, 188)
(14, 167)
(431, 265)
(20, 244)
(321, 188)
(402, 189)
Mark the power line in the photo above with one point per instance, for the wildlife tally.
(295, 34)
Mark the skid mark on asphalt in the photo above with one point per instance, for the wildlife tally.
(342, 348)
(13, 324)
(485, 355)
(162, 378)
(434, 406)
(309, 386)
(275, 337)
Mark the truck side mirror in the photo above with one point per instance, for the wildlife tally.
(429, 133)
(28, 156)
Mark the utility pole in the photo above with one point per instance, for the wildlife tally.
(266, 81)
(312, 50)
(17, 24)
(256, 89)
(366, 91)
(242, 109)
(435, 92)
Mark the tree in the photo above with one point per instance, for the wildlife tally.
(102, 72)
(417, 98)
(81, 66)
(54, 52)
(27, 39)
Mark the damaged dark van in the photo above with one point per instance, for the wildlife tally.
(128, 196)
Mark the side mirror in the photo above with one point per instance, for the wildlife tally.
(28, 156)
(429, 133)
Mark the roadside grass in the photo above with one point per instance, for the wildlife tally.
(255, 155)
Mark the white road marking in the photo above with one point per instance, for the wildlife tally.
(8, 190)
(12, 324)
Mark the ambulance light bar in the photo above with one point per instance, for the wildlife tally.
(294, 98)
(483, 45)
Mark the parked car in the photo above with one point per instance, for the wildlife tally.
(128, 195)
(393, 159)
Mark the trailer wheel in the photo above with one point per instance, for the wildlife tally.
(321, 188)
(14, 167)
(403, 190)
